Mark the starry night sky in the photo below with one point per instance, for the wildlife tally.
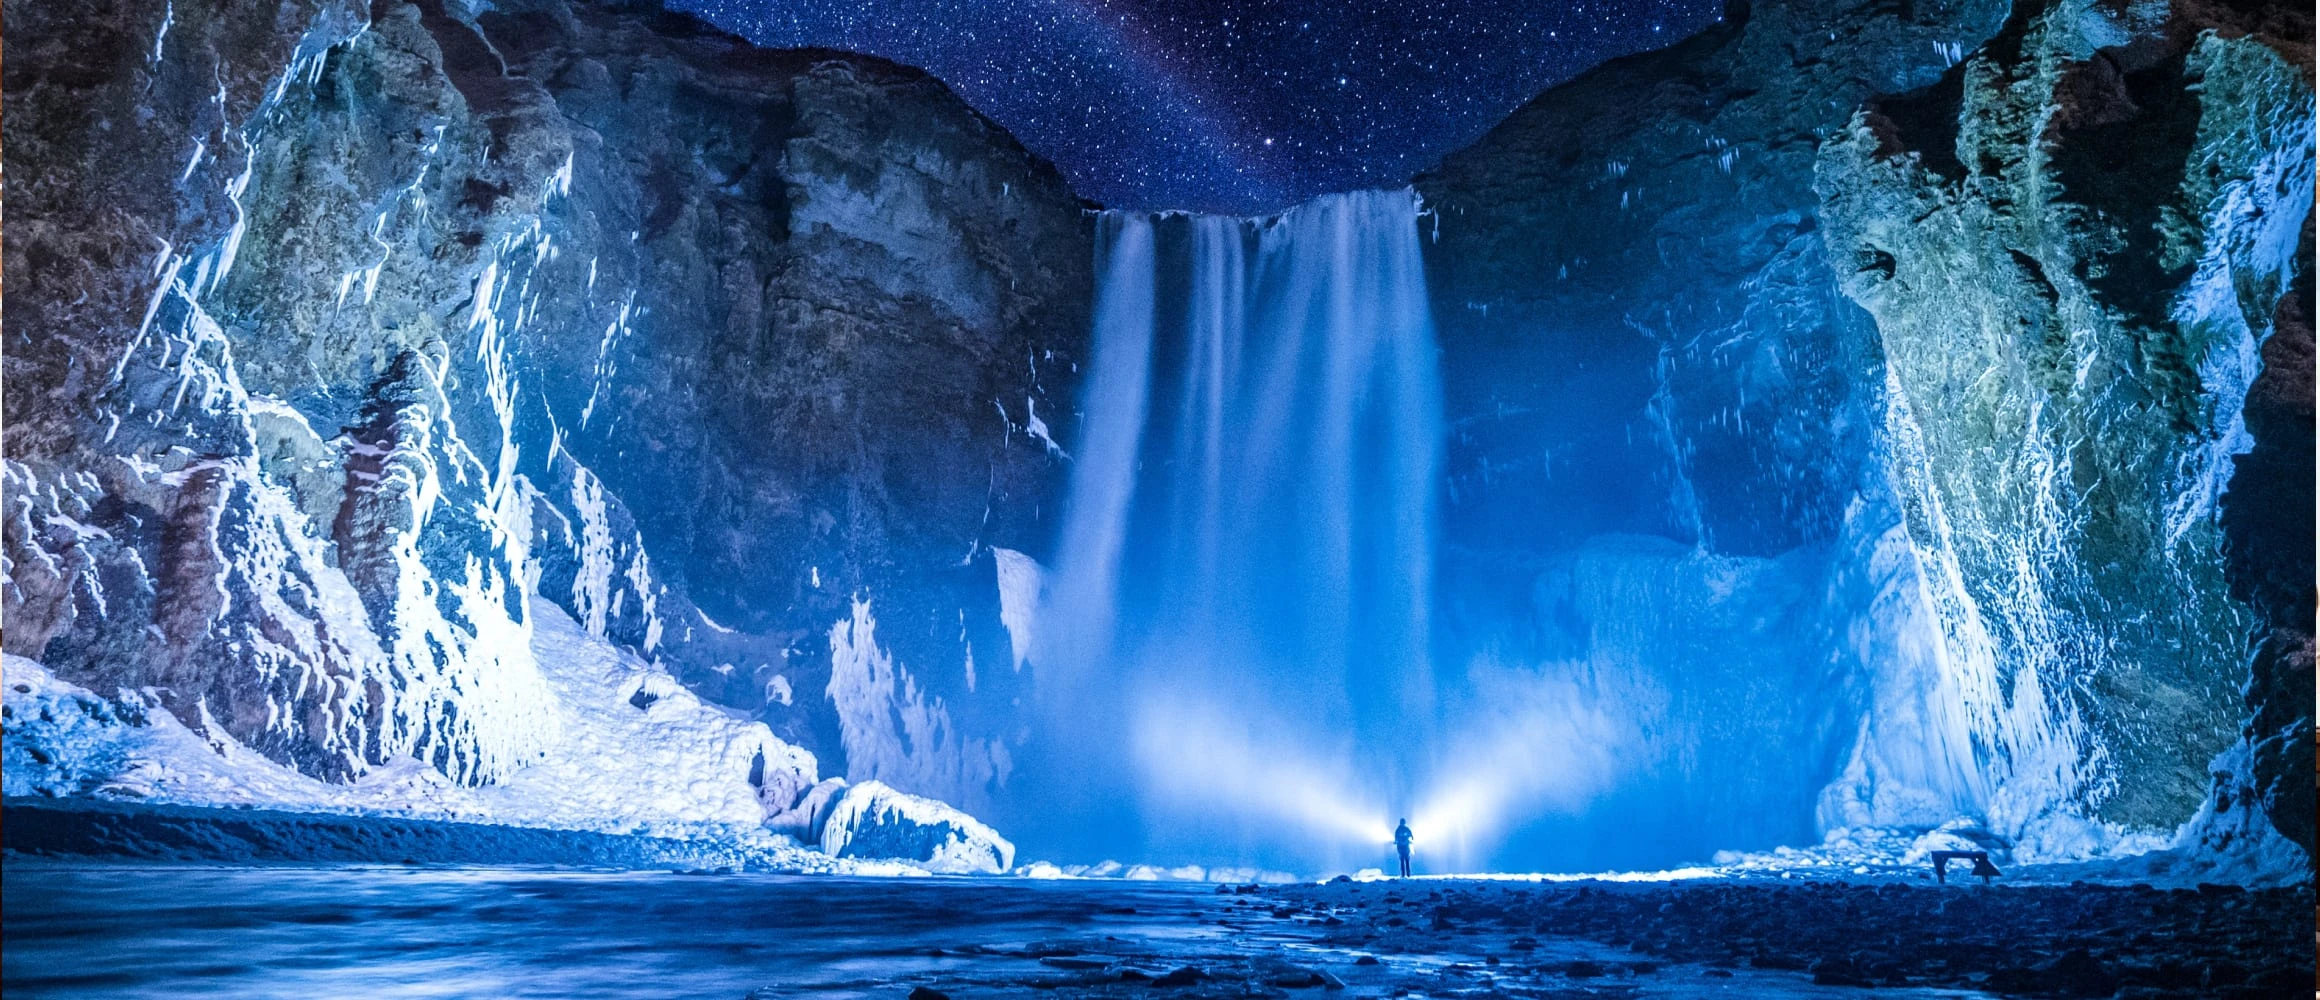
(1236, 107)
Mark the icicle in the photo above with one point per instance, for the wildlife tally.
(233, 242)
(560, 182)
(200, 146)
(168, 18)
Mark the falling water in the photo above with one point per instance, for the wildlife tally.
(1235, 652)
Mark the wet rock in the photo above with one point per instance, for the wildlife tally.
(1295, 977)
(1769, 960)
(2030, 940)
(1839, 972)
(1181, 976)
(2079, 974)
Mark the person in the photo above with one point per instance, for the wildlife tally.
(1402, 845)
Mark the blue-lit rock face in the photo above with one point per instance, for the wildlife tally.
(1666, 491)
(2075, 260)
(346, 328)
(2000, 593)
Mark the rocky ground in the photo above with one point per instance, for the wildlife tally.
(1744, 938)
(2079, 940)
(1453, 938)
(113, 928)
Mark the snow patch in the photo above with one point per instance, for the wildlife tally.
(1022, 590)
(674, 766)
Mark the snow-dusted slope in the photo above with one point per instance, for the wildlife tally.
(632, 752)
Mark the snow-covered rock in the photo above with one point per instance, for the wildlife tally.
(634, 752)
(871, 820)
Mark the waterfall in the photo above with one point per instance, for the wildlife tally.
(1235, 653)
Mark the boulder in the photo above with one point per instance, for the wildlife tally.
(871, 820)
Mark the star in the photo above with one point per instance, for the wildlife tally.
(1241, 107)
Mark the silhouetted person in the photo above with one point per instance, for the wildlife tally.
(1402, 845)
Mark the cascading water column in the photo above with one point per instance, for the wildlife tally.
(1234, 653)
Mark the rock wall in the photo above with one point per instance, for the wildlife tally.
(341, 331)
(2076, 246)
(1950, 389)
(1630, 282)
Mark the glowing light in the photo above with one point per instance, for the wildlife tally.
(1538, 744)
(1197, 754)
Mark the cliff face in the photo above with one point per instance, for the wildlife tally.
(1629, 271)
(1944, 400)
(2076, 247)
(316, 377)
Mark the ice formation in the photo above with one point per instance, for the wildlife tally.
(892, 730)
